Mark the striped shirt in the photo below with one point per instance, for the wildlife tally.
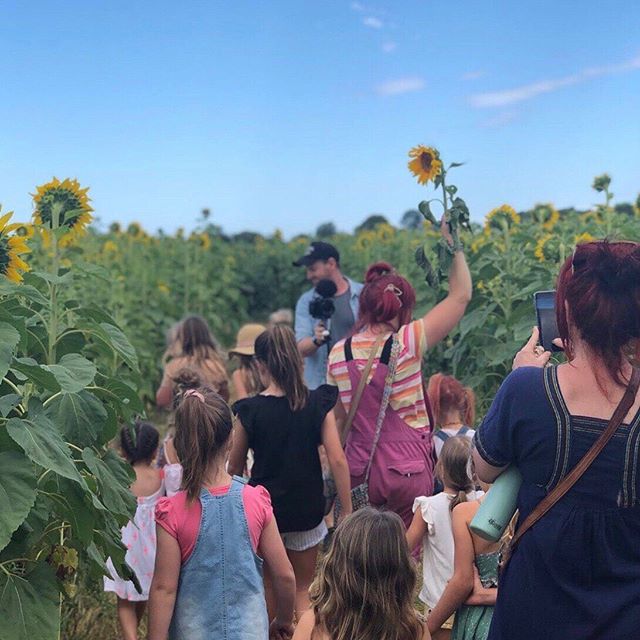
(407, 395)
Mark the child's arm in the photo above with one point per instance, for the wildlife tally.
(461, 583)
(238, 455)
(164, 586)
(481, 596)
(305, 626)
(337, 462)
(238, 385)
(417, 530)
(284, 580)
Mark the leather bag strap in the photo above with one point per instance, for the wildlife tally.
(577, 472)
(355, 401)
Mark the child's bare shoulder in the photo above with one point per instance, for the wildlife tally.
(305, 626)
(466, 510)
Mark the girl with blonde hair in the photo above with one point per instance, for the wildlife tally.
(194, 348)
(364, 588)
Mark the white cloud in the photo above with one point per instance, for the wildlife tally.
(388, 47)
(529, 91)
(400, 86)
(372, 22)
(357, 6)
(473, 75)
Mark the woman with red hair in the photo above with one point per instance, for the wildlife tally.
(454, 409)
(378, 371)
(576, 572)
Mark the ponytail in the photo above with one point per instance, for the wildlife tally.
(454, 466)
(203, 426)
(457, 499)
(276, 348)
(447, 394)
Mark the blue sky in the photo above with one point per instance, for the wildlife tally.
(282, 114)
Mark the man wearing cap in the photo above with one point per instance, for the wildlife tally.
(322, 262)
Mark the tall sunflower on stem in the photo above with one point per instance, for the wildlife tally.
(61, 213)
(427, 165)
(64, 206)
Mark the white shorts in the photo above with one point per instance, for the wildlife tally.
(303, 540)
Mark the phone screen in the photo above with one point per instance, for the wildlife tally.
(545, 302)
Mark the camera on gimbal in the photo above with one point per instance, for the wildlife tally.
(322, 306)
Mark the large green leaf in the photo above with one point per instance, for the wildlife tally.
(121, 344)
(9, 338)
(14, 318)
(36, 373)
(92, 312)
(25, 290)
(113, 337)
(17, 492)
(7, 403)
(30, 532)
(29, 605)
(114, 478)
(116, 390)
(43, 443)
(78, 510)
(81, 417)
(73, 372)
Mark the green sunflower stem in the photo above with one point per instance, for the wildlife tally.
(53, 289)
(608, 211)
(444, 195)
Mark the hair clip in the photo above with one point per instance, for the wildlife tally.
(395, 290)
(195, 394)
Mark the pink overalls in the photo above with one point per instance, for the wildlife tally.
(402, 466)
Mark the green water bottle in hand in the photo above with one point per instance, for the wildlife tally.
(498, 507)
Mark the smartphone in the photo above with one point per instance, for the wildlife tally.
(545, 303)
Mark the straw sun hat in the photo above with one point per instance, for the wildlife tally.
(246, 338)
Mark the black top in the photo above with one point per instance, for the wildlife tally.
(285, 450)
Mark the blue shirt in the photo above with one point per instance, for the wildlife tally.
(315, 366)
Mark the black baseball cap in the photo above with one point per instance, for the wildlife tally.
(317, 251)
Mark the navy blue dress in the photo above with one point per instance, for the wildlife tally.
(576, 573)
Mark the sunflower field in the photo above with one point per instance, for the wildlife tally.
(83, 318)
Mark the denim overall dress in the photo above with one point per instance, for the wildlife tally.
(220, 591)
(402, 466)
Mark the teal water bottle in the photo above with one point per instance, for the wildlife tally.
(498, 507)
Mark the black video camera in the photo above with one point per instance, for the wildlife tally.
(322, 306)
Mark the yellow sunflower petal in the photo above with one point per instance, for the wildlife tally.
(4, 219)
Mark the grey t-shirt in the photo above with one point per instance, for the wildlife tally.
(342, 320)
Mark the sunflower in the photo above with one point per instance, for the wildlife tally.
(547, 215)
(202, 239)
(72, 202)
(501, 218)
(163, 288)
(135, 230)
(11, 247)
(426, 164)
(478, 242)
(540, 245)
(110, 247)
(385, 232)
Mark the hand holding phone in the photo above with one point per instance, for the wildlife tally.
(531, 355)
(545, 303)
